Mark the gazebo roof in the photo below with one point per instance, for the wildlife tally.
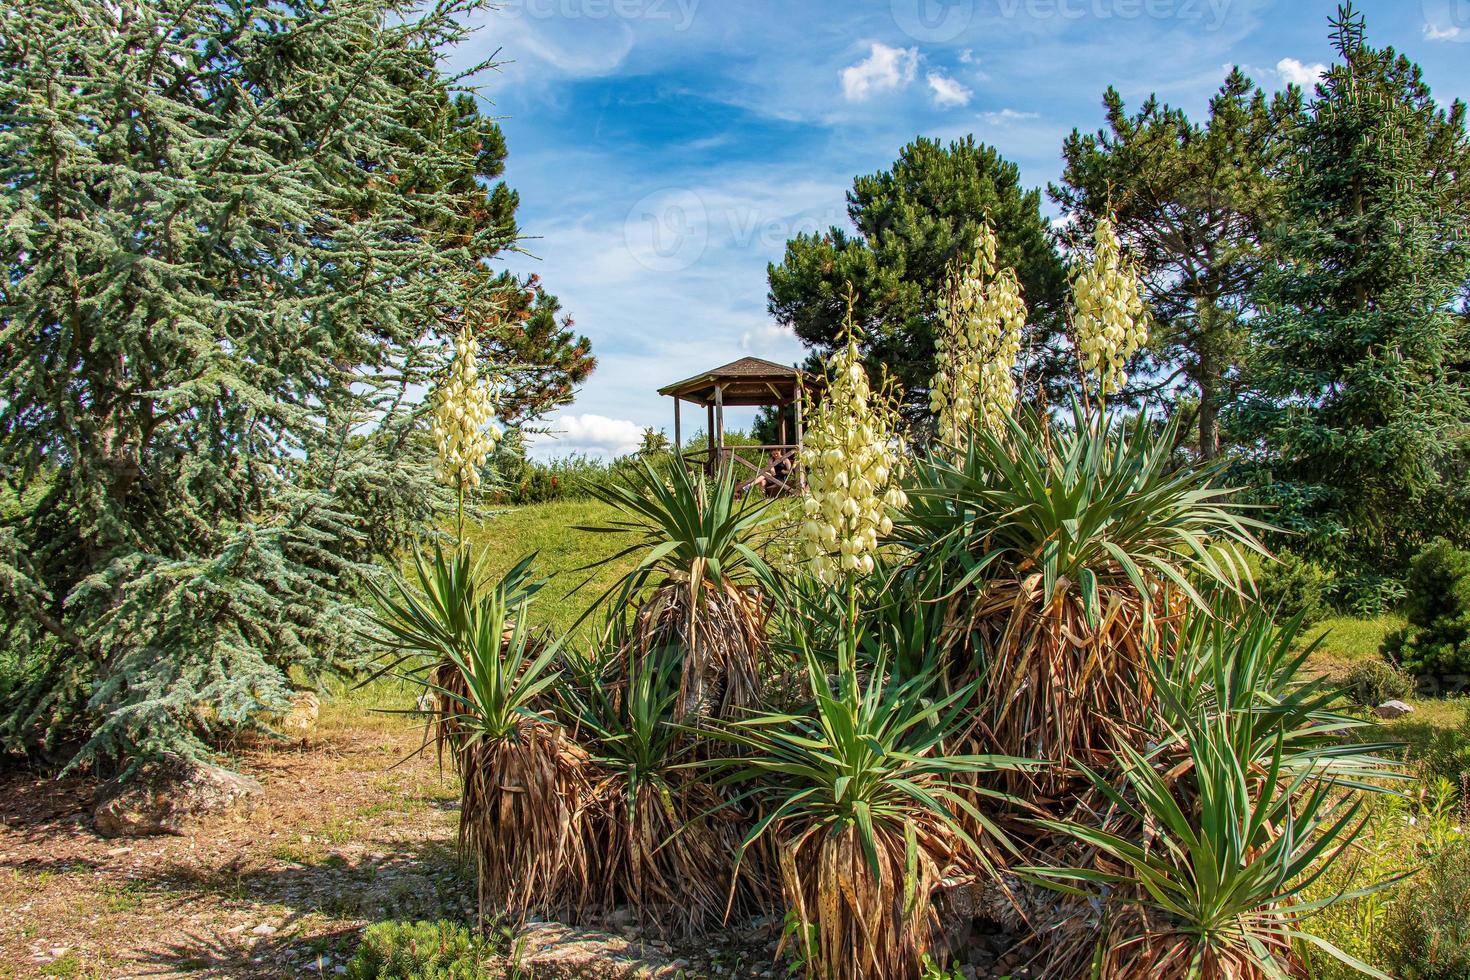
(748, 381)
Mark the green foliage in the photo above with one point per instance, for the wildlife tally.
(210, 328)
(1190, 202)
(1371, 682)
(1431, 924)
(1221, 826)
(1437, 638)
(420, 951)
(1094, 505)
(1358, 397)
(1404, 837)
(1294, 586)
(451, 616)
(912, 221)
(689, 529)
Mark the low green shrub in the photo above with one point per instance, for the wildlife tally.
(1437, 639)
(1372, 682)
(420, 951)
(1294, 586)
(1431, 925)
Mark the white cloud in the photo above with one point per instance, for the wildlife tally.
(1293, 72)
(597, 435)
(1434, 32)
(769, 340)
(947, 91)
(884, 70)
(967, 57)
(1005, 117)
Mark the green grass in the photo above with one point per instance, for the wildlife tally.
(549, 530)
(1350, 639)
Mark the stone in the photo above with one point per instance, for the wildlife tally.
(300, 719)
(166, 795)
(550, 949)
(1390, 710)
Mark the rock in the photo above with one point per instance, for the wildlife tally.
(1389, 710)
(264, 930)
(550, 949)
(165, 794)
(300, 719)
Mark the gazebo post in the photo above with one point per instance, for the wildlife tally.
(678, 436)
(800, 400)
(720, 419)
(709, 463)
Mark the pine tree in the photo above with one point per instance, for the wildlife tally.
(234, 235)
(912, 221)
(1359, 402)
(1190, 202)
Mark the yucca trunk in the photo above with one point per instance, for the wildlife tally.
(521, 817)
(721, 629)
(1052, 686)
(666, 856)
(865, 925)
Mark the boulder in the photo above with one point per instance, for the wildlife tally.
(1390, 710)
(550, 949)
(167, 793)
(300, 718)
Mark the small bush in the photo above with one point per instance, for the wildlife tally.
(420, 951)
(1431, 925)
(1437, 639)
(1297, 586)
(1373, 682)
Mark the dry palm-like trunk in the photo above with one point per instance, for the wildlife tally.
(1051, 685)
(521, 817)
(721, 629)
(669, 856)
(861, 925)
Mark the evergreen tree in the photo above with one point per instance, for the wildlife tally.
(1190, 202)
(1359, 403)
(234, 236)
(912, 221)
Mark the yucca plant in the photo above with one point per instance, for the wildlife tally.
(664, 845)
(524, 783)
(1062, 547)
(1206, 843)
(858, 798)
(696, 540)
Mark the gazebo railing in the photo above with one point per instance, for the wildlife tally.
(777, 468)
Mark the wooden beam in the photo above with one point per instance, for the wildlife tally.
(720, 415)
(800, 401)
(678, 436)
(709, 463)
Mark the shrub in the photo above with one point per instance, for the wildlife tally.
(1213, 835)
(1373, 682)
(420, 951)
(1437, 639)
(1432, 924)
(1297, 587)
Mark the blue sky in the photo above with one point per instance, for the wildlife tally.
(665, 150)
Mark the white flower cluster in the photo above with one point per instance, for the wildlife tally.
(852, 456)
(463, 409)
(1110, 321)
(981, 318)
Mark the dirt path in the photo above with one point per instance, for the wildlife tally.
(347, 832)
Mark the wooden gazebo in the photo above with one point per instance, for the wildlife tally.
(750, 381)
